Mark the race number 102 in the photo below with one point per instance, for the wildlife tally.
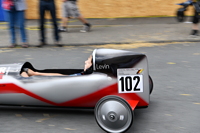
(130, 83)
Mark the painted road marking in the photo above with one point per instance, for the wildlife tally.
(171, 63)
(69, 129)
(18, 115)
(44, 119)
(41, 120)
(130, 45)
(46, 115)
(127, 45)
(186, 94)
(196, 54)
(29, 58)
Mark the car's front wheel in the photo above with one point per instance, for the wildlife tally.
(113, 114)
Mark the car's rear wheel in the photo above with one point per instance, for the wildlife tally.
(150, 84)
(113, 114)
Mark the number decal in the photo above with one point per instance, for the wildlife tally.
(122, 83)
(130, 83)
(137, 82)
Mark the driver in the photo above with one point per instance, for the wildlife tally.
(28, 72)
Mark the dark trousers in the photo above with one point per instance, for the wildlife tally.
(195, 18)
(48, 6)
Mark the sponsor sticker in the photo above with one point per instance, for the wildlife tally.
(2, 71)
(1, 75)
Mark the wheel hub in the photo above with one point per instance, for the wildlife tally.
(112, 116)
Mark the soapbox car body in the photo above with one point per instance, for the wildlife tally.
(118, 83)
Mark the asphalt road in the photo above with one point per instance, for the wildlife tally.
(175, 101)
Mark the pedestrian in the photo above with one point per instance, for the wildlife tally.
(48, 5)
(70, 10)
(195, 21)
(15, 14)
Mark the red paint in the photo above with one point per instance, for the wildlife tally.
(89, 100)
(133, 103)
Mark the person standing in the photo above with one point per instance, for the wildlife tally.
(48, 5)
(70, 10)
(15, 13)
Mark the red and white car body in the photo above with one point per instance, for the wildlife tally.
(119, 83)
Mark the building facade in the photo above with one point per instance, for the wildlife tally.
(115, 8)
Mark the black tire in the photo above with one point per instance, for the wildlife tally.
(113, 114)
(150, 85)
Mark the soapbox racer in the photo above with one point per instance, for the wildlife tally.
(119, 82)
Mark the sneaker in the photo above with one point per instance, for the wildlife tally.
(41, 44)
(62, 29)
(13, 46)
(86, 28)
(25, 45)
(58, 44)
(195, 33)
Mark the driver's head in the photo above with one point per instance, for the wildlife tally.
(88, 63)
